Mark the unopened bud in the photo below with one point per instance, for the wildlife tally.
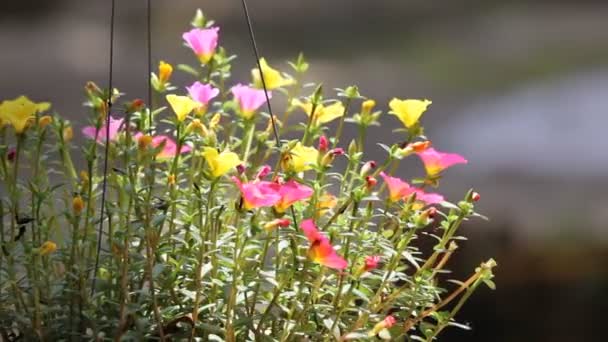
(323, 144)
(277, 223)
(45, 121)
(171, 179)
(370, 182)
(47, 248)
(386, 323)
(371, 262)
(92, 89)
(143, 142)
(164, 72)
(68, 134)
(241, 169)
(475, 196)
(367, 106)
(420, 146)
(77, 205)
(263, 172)
(330, 156)
(135, 106)
(11, 154)
(367, 167)
(215, 120)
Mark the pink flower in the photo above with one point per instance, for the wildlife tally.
(323, 144)
(263, 172)
(291, 192)
(321, 251)
(169, 149)
(435, 161)
(202, 93)
(249, 99)
(398, 189)
(258, 193)
(371, 262)
(202, 41)
(115, 126)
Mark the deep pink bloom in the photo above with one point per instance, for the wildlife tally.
(202, 93)
(291, 192)
(398, 189)
(323, 143)
(321, 251)
(115, 127)
(169, 149)
(258, 193)
(371, 262)
(435, 161)
(249, 99)
(202, 41)
(263, 172)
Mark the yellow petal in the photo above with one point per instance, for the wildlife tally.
(408, 111)
(220, 163)
(303, 157)
(330, 113)
(272, 77)
(20, 111)
(181, 105)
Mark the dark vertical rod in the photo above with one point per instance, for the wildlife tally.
(149, 51)
(107, 150)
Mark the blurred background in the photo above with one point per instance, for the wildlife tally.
(520, 88)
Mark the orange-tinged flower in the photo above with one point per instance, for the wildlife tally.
(321, 251)
(47, 248)
(164, 71)
(77, 205)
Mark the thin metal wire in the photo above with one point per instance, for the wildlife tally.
(107, 150)
(256, 53)
(149, 47)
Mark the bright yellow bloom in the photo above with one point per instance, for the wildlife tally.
(408, 111)
(181, 105)
(220, 163)
(322, 114)
(302, 158)
(47, 247)
(272, 77)
(164, 71)
(20, 111)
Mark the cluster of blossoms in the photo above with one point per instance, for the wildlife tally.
(202, 238)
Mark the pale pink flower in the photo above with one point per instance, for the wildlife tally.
(169, 149)
(115, 127)
(291, 192)
(435, 161)
(249, 99)
(258, 193)
(202, 41)
(321, 251)
(202, 93)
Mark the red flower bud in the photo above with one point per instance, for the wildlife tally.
(475, 196)
(241, 169)
(367, 167)
(263, 172)
(371, 262)
(323, 143)
(12, 153)
(370, 182)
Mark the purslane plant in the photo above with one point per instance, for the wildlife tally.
(215, 230)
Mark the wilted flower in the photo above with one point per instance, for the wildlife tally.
(47, 248)
(20, 111)
(321, 251)
(323, 114)
(11, 154)
(435, 161)
(408, 111)
(249, 99)
(277, 223)
(272, 78)
(220, 163)
(115, 126)
(181, 105)
(258, 194)
(203, 42)
(291, 192)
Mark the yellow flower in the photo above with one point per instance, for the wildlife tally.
(47, 247)
(77, 205)
(164, 71)
(326, 202)
(181, 105)
(215, 121)
(322, 114)
(408, 111)
(272, 77)
(19, 111)
(220, 163)
(302, 158)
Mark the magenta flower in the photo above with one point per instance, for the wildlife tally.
(398, 189)
(115, 127)
(202, 93)
(258, 193)
(203, 42)
(291, 192)
(371, 262)
(169, 149)
(435, 161)
(249, 99)
(321, 251)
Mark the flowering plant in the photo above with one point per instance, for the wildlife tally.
(222, 222)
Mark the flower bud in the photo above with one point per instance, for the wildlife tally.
(45, 121)
(196, 126)
(386, 323)
(84, 178)
(77, 205)
(92, 89)
(143, 142)
(263, 172)
(241, 169)
(370, 182)
(68, 134)
(11, 154)
(427, 215)
(367, 167)
(329, 157)
(371, 262)
(475, 196)
(135, 106)
(367, 106)
(171, 179)
(277, 223)
(215, 120)
(164, 72)
(47, 248)
(420, 146)
(323, 144)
